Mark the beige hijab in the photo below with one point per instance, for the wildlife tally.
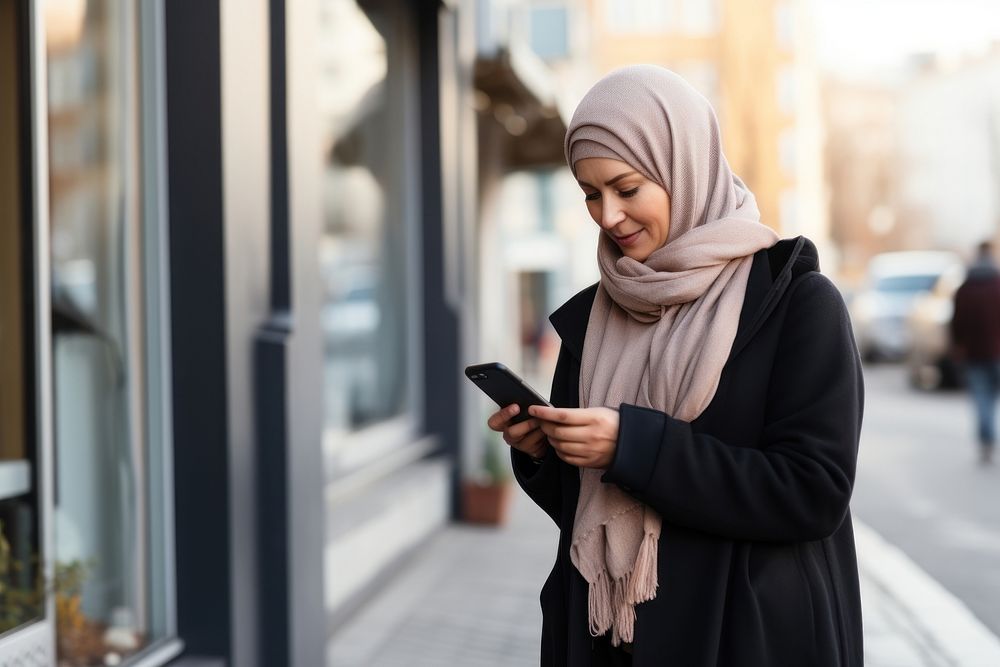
(660, 331)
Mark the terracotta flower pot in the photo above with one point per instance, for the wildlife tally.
(486, 503)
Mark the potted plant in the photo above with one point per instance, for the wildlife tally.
(486, 497)
(22, 597)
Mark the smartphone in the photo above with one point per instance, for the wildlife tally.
(504, 387)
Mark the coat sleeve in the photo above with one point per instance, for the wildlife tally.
(541, 481)
(797, 485)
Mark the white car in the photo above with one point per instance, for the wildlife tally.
(881, 310)
(929, 363)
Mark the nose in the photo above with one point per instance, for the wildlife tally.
(611, 213)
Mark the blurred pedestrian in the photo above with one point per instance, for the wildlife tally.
(701, 453)
(975, 335)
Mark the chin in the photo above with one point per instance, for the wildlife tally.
(639, 255)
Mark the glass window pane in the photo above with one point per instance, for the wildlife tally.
(784, 28)
(21, 594)
(786, 84)
(639, 16)
(703, 75)
(699, 17)
(787, 151)
(101, 532)
(788, 210)
(549, 36)
(362, 251)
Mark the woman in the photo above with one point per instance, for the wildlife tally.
(700, 454)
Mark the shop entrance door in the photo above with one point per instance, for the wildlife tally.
(28, 589)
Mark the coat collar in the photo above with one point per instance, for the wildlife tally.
(570, 320)
(770, 274)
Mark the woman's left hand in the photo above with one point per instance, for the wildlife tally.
(583, 437)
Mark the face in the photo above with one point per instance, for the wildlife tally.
(631, 209)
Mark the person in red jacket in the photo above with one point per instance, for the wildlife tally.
(975, 334)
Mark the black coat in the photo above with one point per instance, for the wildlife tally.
(756, 563)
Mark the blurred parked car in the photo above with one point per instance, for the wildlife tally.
(929, 363)
(881, 309)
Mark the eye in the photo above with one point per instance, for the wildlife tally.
(593, 196)
(630, 193)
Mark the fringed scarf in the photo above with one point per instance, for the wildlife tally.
(660, 331)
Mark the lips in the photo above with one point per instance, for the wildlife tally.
(629, 239)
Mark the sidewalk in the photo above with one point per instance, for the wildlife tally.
(470, 599)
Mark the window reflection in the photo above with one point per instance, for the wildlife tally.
(21, 590)
(362, 250)
(100, 585)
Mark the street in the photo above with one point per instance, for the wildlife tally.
(470, 597)
(919, 486)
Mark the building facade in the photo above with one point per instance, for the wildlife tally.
(231, 318)
(947, 133)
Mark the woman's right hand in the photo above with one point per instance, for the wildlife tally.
(525, 436)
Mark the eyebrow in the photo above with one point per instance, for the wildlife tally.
(612, 181)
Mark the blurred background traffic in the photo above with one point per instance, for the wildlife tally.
(247, 246)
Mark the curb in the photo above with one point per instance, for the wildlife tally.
(944, 622)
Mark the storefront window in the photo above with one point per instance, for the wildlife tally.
(104, 596)
(364, 241)
(21, 586)
(625, 17)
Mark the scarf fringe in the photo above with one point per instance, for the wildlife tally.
(599, 599)
(624, 624)
(609, 607)
(643, 586)
(611, 602)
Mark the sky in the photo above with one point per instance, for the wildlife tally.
(855, 36)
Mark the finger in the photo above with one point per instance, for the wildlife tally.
(514, 436)
(541, 448)
(559, 415)
(567, 433)
(570, 448)
(498, 420)
(531, 442)
(518, 431)
(547, 427)
(578, 461)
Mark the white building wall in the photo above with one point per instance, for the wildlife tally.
(804, 209)
(948, 133)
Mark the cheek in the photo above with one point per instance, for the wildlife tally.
(657, 219)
